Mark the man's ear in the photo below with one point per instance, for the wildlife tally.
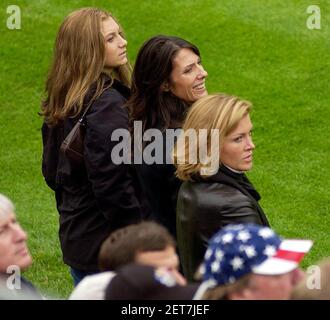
(165, 86)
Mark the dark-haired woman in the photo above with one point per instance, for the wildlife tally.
(167, 78)
(96, 197)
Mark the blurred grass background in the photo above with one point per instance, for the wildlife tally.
(259, 50)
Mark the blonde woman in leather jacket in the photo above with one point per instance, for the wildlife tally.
(210, 199)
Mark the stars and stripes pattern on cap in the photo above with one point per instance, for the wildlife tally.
(237, 250)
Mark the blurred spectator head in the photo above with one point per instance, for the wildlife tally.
(139, 282)
(251, 262)
(13, 247)
(146, 243)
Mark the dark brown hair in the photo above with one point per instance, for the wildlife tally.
(121, 247)
(149, 103)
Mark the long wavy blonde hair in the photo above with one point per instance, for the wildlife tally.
(79, 62)
(217, 113)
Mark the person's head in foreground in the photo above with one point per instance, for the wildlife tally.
(13, 247)
(223, 131)
(14, 256)
(140, 282)
(316, 283)
(251, 262)
(146, 243)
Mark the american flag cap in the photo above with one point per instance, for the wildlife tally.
(237, 250)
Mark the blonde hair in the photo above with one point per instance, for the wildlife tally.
(79, 61)
(218, 115)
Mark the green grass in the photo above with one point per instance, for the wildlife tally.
(259, 50)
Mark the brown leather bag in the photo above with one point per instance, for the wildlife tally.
(73, 144)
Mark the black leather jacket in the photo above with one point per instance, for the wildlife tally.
(207, 205)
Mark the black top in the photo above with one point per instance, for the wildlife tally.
(160, 185)
(207, 205)
(97, 197)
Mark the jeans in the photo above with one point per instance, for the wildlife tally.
(78, 275)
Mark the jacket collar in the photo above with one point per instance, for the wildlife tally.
(235, 179)
(112, 83)
(121, 88)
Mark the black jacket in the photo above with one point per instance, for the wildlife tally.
(160, 187)
(97, 197)
(205, 206)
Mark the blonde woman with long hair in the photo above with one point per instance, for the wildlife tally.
(90, 68)
(214, 193)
